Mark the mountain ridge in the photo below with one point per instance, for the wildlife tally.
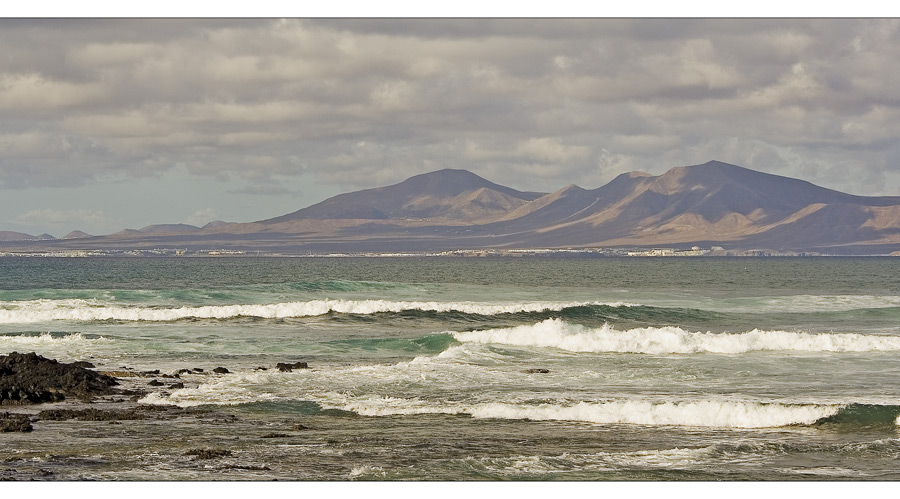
(713, 203)
(405, 199)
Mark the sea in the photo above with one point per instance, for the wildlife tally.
(470, 369)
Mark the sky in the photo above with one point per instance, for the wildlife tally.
(122, 123)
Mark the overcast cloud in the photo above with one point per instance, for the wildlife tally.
(257, 118)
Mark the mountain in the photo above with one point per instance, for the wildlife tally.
(76, 234)
(452, 195)
(169, 229)
(721, 203)
(157, 230)
(713, 204)
(7, 235)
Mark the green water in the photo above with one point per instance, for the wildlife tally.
(473, 369)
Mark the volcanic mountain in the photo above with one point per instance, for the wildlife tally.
(713, 204)
(448, 195)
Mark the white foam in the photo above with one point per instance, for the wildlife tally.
(556, 333)
(820, 303)
(210, 393)
(91, 310)
(601, 461)
(46, 339)
(700, 413)
(366, 470)
(382, 391)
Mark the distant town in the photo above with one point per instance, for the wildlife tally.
(694, 251)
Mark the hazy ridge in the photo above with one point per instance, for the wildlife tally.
(713, 204)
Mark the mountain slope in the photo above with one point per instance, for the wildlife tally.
(7, 235)
(730, 204)
(446, 194)
(710, 204)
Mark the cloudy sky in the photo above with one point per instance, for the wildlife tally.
(108, 124)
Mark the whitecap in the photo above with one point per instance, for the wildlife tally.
(556, 333)
(91, 310)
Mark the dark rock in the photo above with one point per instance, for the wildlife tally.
(197, 370)
(83, 364)
(32, 379)
(288, 367)
(536, 371)
(155, 382)
(91, 414)
(275, 435)
(183, 371)
(261, 369)
(220, 370)
(247, 467)
(301, 427)
(176, 386)
(208, 453)
(154, 372)
(14, 422)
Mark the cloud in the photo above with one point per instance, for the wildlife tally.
(263, 190)
(527, 102)
(84, 219)
(201, 217)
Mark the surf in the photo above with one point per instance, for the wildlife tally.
(31, 311)
(559, 334)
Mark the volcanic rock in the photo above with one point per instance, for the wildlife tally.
(208, 453)
(14, 422)
(32, 379)
(288, 367)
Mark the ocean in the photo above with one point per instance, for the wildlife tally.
(469, 368)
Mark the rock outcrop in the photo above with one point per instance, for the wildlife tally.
(31, 379)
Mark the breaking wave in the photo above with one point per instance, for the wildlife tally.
(95, 310)
(45, 339)
(556, 333)
(702, 413)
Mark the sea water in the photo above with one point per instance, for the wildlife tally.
(473, 368)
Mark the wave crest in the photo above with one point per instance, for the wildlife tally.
(92, 310)
(726, 414)
(556, 333)
(47, 339)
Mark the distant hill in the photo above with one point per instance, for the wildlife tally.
(76, 234)
(446, 194)
(157, 230)
(169, 229)
(710, 204)
(215, 223)
(21, 236)
(6, 235)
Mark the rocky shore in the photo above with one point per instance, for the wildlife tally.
(60, 404)
(31, 379)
